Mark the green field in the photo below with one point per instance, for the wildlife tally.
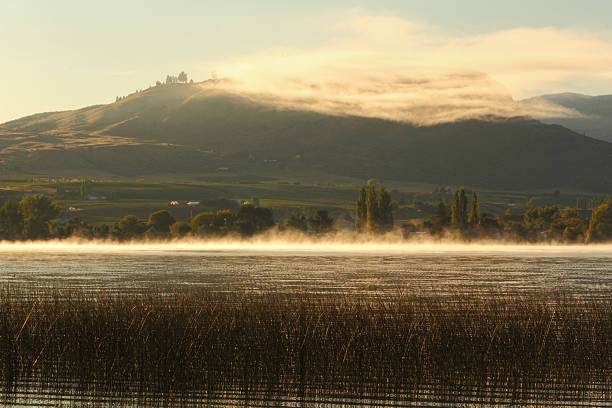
(117, 198)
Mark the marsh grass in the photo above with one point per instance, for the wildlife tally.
(259, 348)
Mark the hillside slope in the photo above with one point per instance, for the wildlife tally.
(588, 115)
(197, 129)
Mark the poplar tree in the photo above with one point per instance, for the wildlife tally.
(474, 217)
(361, 210)
(600, 227)
(373, 212)
(463, 206)
(372, 209)
(385, 211)
(459, 208)
(454, 207)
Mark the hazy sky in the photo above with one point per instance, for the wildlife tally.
(63, 54)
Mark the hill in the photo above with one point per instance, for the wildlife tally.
(588, 115)
(198, 130)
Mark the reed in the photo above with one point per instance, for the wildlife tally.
(252, 346)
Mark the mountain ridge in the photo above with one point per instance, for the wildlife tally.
(585, 114)
(198, 129)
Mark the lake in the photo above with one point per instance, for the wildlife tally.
(362, 270)
(373, 269)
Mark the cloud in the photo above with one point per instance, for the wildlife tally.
(541, 108)
(392, 68)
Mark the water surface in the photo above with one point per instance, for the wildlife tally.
(333, 268)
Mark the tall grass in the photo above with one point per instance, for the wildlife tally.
(478, 349)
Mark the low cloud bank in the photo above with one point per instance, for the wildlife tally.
(540, 108)
(391, 68)
(419, 98)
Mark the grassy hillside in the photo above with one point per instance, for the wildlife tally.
(199, 131)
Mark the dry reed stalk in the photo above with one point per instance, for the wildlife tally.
(546, 346)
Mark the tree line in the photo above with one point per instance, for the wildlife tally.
(319, 223)
(175, 79)
(182, 77)
(36, 217)
(536, 224)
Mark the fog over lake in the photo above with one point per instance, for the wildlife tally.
(332, 267)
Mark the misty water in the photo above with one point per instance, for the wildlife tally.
(376, 271)
(326, 268)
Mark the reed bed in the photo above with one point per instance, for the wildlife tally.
(268, 348)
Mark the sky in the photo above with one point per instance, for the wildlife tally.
(62, 54)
